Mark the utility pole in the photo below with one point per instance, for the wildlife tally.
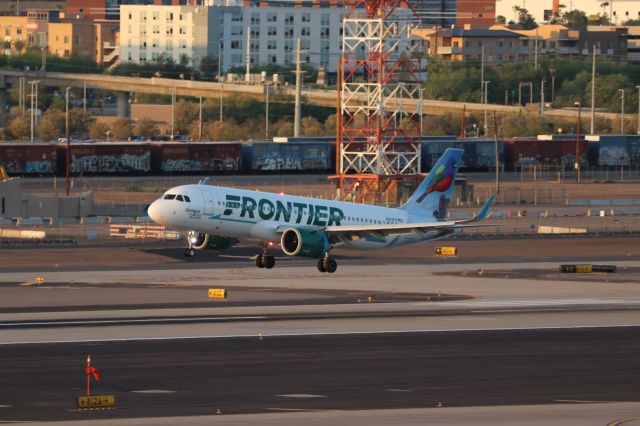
(577, 163)
(220, 75)
(248, 76)
(44, 59)
(32, 99)
(200, 119)
(36, 111)
(535, 56)
(593, 92)
(497, 153)
(486, 100)
(297, 115)
(622, 110)
(20, 106)
(68, 136)
(266, 112)
(638, 129)
(173, 105)
(482, 70)
(542, 98)
(84, 96)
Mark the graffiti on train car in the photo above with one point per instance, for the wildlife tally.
(41, 166)
(111, 163)
(227, 164)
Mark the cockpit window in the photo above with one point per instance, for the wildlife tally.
(170, 196)
(179, 197)
(187, 199)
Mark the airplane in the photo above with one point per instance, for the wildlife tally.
(217, 217)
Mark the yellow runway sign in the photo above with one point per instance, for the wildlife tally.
(96, 401)
(217, 293)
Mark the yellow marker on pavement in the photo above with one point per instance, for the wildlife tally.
(217, 293)
(446, 251)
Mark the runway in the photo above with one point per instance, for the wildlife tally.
(355, 372)
(491, 341)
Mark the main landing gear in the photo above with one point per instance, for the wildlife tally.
(327, 264)
(189, 252)
(264, 260)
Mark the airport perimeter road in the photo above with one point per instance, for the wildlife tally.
(281, 374)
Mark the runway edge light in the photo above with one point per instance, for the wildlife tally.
(217, 293)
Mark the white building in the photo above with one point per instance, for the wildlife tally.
(274, 31)
(147, 32)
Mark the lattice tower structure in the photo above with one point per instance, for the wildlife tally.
(380, 96)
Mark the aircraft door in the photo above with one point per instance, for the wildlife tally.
(208, 202)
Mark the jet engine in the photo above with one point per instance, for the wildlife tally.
(304, 242)
(210, 242)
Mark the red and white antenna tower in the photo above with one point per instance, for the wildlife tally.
(380, 95)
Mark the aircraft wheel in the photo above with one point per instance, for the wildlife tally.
(269, 262)
(332, 266)
(189, 252)
(260, 262)
(321, 267)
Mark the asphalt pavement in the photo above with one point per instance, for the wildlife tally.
(355, 372)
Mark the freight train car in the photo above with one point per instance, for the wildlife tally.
(106, 158)
(545, 151)
(196, 157)
(617, 150)
(479, 154)
(26, 158)
(289, 157)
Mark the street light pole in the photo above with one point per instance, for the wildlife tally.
(577, 164)
(173, 102)
(638, 129)
(486, 100)
(68, 136)
(622, 110)
(220, 75)
(200, 119)
(266, 112)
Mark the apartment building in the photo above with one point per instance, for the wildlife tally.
(48, 29)
(273, 32)
(458, 44)
(182, 33)
(193, 32)
(448, 13)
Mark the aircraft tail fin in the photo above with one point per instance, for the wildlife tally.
(434, 193)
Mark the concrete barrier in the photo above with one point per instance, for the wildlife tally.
(21, 234)
(29, 221)
(93, 220)
(560, 230)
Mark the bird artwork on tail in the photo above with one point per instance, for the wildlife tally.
(442, 179)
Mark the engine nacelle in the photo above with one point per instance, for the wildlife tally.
(304, 242)
(210, 242)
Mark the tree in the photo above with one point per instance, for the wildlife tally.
(525, 20)
(20, 126)
(51, 125)
(631, 23)
(575, 19)
(98, 130)
(146, 128)
(501, 20)
(80, 120)
(121, 129)
(209, 67)
(312, 127)
(185, 113)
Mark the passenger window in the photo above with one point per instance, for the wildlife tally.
(170, 196)
(179, 198)
(187, 199)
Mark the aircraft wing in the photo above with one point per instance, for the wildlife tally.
(347, 233)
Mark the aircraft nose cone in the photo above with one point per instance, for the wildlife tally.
(154, 212)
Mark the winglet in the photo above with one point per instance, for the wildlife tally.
(482, 214)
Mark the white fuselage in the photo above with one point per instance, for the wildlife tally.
(261, 216)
